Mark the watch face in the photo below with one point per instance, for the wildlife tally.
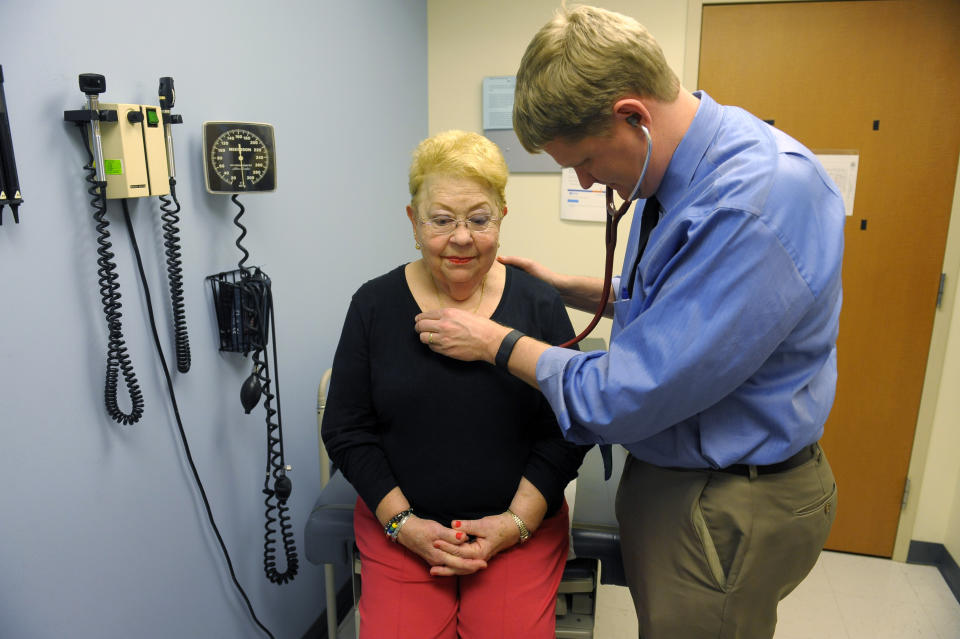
(240, 157)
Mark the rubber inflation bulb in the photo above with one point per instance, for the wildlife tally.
(283, 487)
(250, 393)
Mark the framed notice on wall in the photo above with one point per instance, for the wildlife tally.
(498, 126)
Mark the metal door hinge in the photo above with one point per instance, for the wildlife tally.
(943, 278)
(906, 493)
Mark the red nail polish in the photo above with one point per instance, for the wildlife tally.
(459, 535)
(456, 524)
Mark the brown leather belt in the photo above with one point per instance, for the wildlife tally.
(806, 454)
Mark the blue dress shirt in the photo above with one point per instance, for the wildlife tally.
(726, 352)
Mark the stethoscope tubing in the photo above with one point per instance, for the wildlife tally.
(612, 221)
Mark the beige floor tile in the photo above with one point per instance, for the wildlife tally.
(843, 597)
(872, 618)
(616, 618)
(946, 620)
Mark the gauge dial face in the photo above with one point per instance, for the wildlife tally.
(240, 158)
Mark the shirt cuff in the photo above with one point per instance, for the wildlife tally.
(550, 368)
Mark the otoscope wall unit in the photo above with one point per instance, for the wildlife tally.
(134, 153)
(130, 151)
(131, 143)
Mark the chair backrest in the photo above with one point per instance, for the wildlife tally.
(596, 498)
(328, 536)
(594, 529)
(321, 405)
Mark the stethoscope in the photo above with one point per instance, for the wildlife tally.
(613, 219)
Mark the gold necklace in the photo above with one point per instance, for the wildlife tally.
(436, 289)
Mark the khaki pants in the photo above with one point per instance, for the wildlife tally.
(709, 554)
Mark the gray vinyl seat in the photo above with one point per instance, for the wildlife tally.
(594, 530)
(328, 538)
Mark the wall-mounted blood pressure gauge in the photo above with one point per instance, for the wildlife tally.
(240, 157)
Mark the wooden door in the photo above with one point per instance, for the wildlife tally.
(881, 78)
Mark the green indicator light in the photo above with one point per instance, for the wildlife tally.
(152, 118)
(113, 167)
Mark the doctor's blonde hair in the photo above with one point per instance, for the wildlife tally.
(459, 154)
(577, 66)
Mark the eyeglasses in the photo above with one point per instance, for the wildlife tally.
(447, 224)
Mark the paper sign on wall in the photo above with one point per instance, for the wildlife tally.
(498, 102)
(842, 169)
(578, 203)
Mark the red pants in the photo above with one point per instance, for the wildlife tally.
(513, 597)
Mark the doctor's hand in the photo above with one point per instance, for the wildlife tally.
(460, 334)
(490, 535)
(533, 268)
(580, 292)
(420, 536)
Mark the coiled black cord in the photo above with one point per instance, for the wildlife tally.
(171, 242)
(276, 496)
(118, 360)
(257, 302)
(183, 435)
(243, 233)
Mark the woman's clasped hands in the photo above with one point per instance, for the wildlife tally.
(464, 548)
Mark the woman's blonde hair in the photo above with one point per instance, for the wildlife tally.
(459, 154)
(577, 66)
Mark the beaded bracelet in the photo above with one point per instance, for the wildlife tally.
(392, 527)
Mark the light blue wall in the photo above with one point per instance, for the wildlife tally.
(102, 532)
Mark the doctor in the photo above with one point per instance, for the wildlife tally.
(722, 363)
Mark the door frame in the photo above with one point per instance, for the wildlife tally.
(942, 318)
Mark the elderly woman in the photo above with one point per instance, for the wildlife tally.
(460, 467)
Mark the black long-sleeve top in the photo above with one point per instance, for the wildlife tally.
(455, 436)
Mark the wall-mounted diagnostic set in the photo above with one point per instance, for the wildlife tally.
(9, 180)
(130, 153)
(240, 157)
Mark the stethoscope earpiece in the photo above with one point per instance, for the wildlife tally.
(646, 162)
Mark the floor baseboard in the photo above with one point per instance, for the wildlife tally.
(933, 554)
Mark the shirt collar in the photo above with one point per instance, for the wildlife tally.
(689, 152)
